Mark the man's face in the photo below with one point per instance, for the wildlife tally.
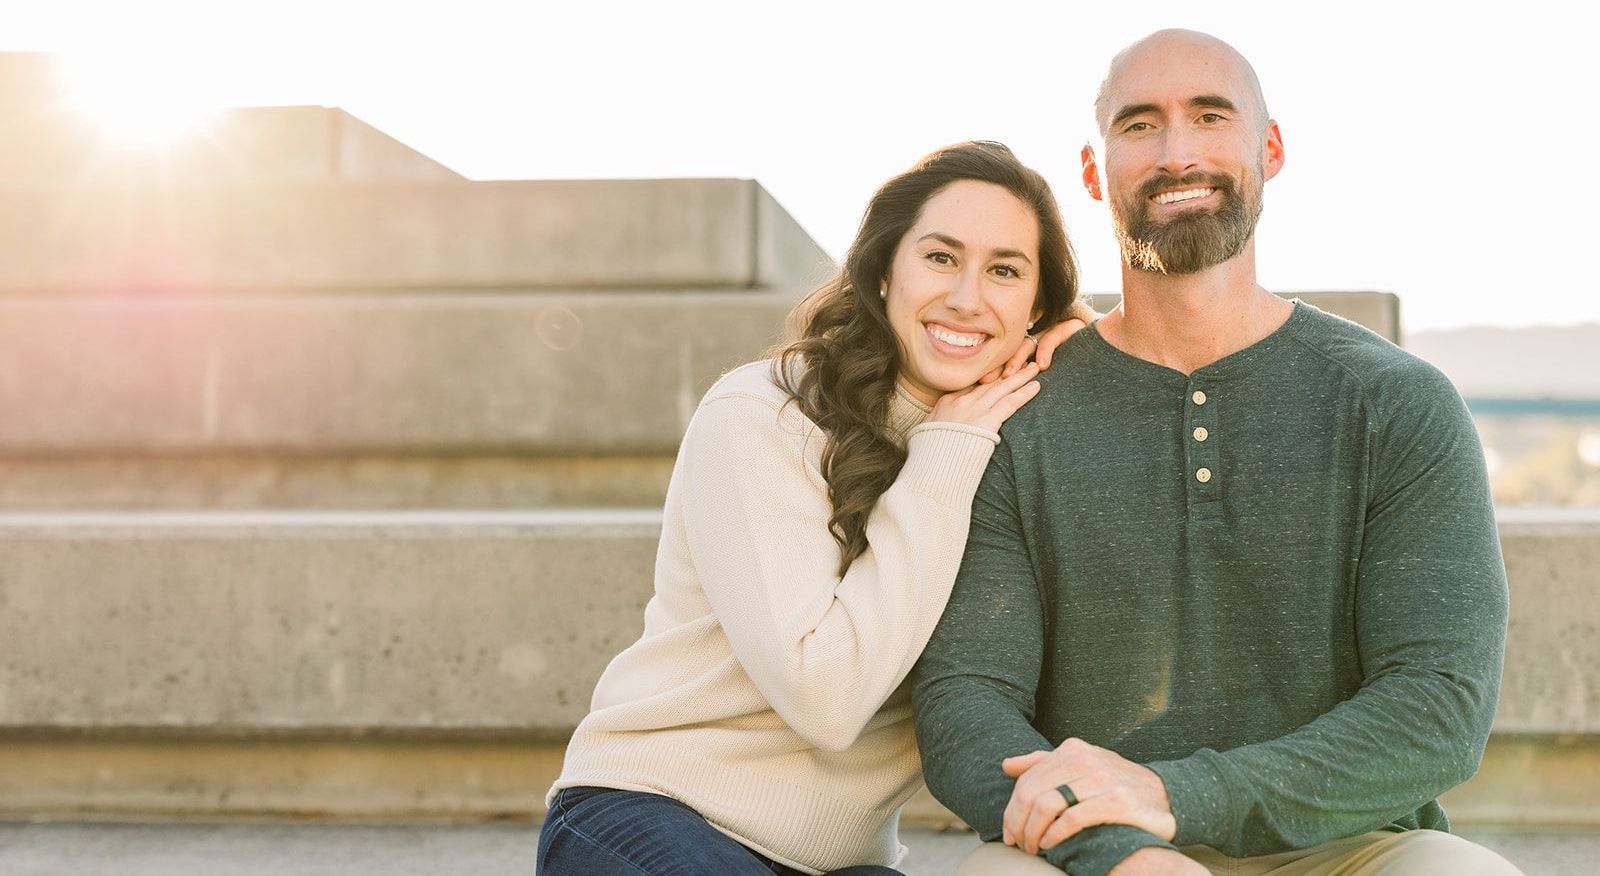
(1186, 156)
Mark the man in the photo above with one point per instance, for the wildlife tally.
(1233, 597)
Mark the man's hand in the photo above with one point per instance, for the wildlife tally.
(1110, 789)
(1158, 862)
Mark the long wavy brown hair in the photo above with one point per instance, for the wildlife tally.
(848, 350)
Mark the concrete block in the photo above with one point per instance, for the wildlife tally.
(1379, 311)
(239, 623)
(332, 482)
(149, 239)
(426, 622)
(373, 374)
(1552, 676)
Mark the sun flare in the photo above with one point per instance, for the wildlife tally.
(144, 102)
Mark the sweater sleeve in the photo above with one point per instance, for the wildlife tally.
(973, 690)
(825, 651)
(1430, 614)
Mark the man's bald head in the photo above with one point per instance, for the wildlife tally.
(1177, 49)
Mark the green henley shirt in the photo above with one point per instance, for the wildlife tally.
(1276, 581)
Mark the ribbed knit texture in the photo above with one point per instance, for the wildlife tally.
(1276, 581)
(766, 690)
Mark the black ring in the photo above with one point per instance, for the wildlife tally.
(1072, 799)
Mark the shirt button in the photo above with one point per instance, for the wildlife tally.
(1200, 433)
(1199, 397)
(1203, 475)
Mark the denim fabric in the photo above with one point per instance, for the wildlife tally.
(607, 832)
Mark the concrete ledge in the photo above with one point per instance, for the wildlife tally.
(146, 482)
(1523, 781)
(218, 238)
(438, 622)
(372, 374)
(1379, 311)
(379, 374)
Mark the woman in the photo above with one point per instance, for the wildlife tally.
(812, 531)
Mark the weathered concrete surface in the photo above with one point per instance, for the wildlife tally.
(148, 482)
(374, 374)
(1552, 675)
(1523, 780)
(238, 622)
(150, 238)
(271, 849)
(1379, 311)
(426, 621)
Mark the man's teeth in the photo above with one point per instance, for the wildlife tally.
(1185, 195)
(954, 339)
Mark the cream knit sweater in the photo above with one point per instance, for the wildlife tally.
(766, 690)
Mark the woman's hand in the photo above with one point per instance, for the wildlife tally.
(987, 405)
(1042, 348)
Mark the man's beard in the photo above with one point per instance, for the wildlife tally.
(1193, 239)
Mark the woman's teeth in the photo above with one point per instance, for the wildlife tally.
(954, 339)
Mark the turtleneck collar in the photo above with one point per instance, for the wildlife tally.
(904, 412)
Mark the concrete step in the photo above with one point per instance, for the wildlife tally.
(1529, 780)
(310, 482)
(212, 623)
(144, 237)
(371, 374)
(375, 399)
(446, 849)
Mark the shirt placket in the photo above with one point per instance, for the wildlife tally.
(1200, 440)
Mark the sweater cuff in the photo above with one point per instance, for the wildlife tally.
(1097, 849)
(1200, 799)
(945, 461)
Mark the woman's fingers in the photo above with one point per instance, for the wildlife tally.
(1054, 337)
(1025, 351)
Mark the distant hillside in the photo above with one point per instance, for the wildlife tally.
(1516, 363)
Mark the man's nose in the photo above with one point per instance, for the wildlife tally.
(1180, 151)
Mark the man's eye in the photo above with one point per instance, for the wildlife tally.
(1211, 118)
(941, 257)
(1136, 127)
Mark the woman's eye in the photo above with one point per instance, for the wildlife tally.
(1007, 271)
(941, 257)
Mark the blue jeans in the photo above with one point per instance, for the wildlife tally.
(606, 832)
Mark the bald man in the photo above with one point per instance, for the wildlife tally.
(1233, 599)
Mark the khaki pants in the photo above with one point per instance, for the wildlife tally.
(1380, 853)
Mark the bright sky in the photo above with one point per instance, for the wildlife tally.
(1432, 151)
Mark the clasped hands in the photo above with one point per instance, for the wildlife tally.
(1110, 789)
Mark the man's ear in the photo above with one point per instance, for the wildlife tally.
(1091, 174)
(1272, 152)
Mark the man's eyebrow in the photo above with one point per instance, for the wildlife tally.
(953, 243)
(1215, 101)
(1131, 110)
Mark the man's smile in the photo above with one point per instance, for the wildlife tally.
(1182, 195)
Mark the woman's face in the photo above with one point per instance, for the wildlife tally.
(961, 287)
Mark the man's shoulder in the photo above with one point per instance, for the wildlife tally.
(1385, 371)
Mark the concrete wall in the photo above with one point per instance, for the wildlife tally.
(431, 663)
(485, 621)
(155, 238)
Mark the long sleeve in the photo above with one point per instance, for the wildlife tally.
(825, 651)
(975, 687)
(1430, 615)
